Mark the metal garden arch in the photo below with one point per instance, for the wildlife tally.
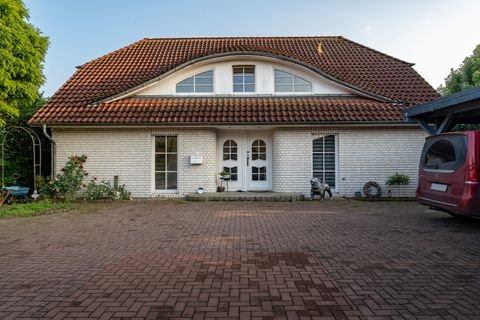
(37, 151)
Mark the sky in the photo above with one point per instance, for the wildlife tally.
(436, 35)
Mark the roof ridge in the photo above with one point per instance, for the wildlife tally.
(242, 37)
(252, 37)
(377, 51)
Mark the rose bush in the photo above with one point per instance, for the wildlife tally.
(104, 190)
(69, 182)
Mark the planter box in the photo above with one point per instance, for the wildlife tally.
(398, 191)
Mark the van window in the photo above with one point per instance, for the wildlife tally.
(444, 153)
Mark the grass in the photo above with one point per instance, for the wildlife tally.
(32, 208)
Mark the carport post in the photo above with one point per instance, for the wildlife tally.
(425, 126)
(446, 122)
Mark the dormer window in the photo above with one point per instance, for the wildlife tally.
(243, 79)
(287, 82)
(198, 83)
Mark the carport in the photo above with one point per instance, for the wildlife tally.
(443, 114)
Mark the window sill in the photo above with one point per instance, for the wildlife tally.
(182, 94)
(165, 191)
(293, 93)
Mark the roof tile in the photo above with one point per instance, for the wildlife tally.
(226, 110)
(131, 66)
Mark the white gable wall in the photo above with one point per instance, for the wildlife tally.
(223, 78)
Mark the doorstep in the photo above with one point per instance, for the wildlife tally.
(246, 196)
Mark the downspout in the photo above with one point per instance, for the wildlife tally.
(45, 133)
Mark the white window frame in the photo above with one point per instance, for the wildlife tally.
(254, 77)
(336, 156)
(230, 150)
(154, 187)
(293, 86)
(195, 92)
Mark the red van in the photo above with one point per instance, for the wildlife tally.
(449, 173)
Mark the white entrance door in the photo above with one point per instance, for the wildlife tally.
(231, 160)
(258, 167)
(247, 156)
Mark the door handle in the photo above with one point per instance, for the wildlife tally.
(248, 158)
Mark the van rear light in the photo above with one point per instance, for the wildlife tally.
(472, 175)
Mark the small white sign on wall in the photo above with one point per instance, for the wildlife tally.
(196, 159)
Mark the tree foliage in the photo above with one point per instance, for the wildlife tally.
(19, 149)
(465, 77)
(22, 52)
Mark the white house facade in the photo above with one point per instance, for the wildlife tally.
(166, 116)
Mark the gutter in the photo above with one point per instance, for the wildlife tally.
(45, 133)
(237, 124)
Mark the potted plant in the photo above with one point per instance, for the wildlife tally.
(397, 181)
(225, 175)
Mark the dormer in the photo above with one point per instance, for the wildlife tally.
(244, 76)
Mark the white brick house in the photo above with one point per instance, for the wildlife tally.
(167, 115)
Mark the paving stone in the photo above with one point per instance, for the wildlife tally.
(241, 260)
(246, 196)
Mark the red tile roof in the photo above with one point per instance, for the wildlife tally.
(336, 57)
(227, 110)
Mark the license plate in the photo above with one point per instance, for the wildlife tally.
(439, 187)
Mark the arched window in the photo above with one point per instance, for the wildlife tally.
(230, 150)
(259, 150)
(200, 83)
(324, 156)
(287, 82)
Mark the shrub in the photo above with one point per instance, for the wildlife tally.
(122, 193)
(50, 187)
(398, 179)
(71, 179)
(40, 182)
(104, 190)
(69, 182)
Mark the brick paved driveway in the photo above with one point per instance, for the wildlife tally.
(166, 259)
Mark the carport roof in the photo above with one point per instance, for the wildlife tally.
(462, 107)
